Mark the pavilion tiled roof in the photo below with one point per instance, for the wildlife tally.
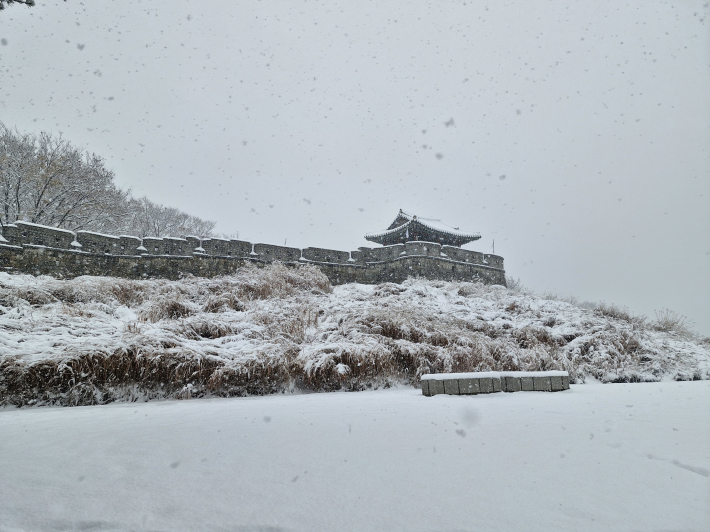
(408, 226)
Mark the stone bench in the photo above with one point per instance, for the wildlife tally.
(494, 381)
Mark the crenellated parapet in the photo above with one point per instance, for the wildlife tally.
(39, 249)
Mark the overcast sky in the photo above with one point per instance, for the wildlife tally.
(575, 134)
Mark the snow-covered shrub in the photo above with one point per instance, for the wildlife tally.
(619, 313)
(125, 292)
(276, 280)
(34, 296)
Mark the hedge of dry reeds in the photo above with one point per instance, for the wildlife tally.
(277, 329)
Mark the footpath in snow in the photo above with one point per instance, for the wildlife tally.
(612, 457)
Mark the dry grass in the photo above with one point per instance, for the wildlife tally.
(34, 296)
(619, 313)
(166, 308)
(671, 322)
(222, 302)
(514, 284)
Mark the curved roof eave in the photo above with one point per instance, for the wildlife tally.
(386, 232)
(400, 228)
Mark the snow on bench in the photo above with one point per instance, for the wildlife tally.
(494, 381)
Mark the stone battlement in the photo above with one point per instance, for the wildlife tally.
(38, 249)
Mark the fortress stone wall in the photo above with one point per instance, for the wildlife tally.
(42, 250)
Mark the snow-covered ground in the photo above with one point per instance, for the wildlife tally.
(264, 330)
(598, 457)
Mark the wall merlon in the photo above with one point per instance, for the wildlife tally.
(386, 253)
(326, 255)
(358, 257)
(195, 244)
(494, 261)
(423, 248)
(98, 243)
(12, 234)
(129, 245)
(218, 247)
(269, 253)
(240, 248)
(462, 255)
(42, 235)
(177, 246)
(153, 245)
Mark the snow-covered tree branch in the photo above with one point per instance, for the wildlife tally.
(46, 180)
(28, 3)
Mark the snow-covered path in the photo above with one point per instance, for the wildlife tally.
(597, 457)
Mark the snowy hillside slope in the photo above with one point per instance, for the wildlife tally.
(93, 340)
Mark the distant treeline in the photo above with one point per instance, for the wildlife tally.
(46, 180)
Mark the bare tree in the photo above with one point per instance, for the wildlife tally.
(151, 219)
(71, 188)
(17, 164)
(46, 180)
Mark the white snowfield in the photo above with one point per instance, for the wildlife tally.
(611, 457)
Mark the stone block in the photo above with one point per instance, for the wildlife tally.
(425, 388)
(451, 387)
(526, 384)
(565, 382)
(462, 255)
(496, 384)
(239, 248)
(512, 384)
(469, 386)
(486, 385)
(542, 384)
(436, 387)
(556, 384)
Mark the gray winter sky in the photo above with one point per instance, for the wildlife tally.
(575, 134)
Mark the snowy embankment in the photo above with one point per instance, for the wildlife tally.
(265, 330)
(616, 458)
